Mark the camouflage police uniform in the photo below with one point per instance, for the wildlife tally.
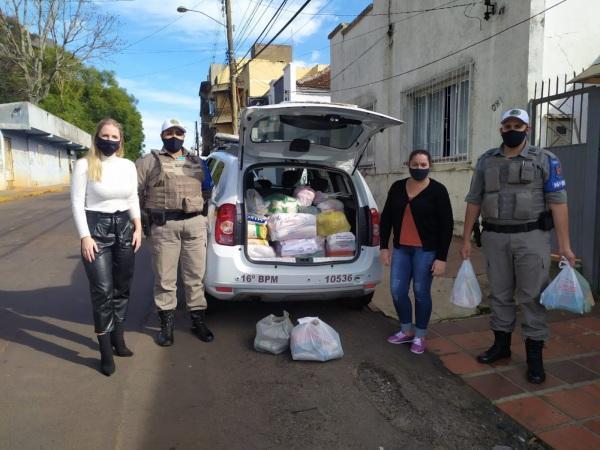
(173, 192)
(514, 194)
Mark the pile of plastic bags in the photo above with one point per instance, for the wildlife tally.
(310, 340)
(309, 224)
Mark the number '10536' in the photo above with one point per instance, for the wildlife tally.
(338, 278)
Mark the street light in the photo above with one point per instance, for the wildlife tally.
(230, 54)
(183, 9)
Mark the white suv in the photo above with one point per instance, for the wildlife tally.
(284, 148)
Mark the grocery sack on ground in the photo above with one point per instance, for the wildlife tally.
(305, 195)
(331, 204)
(280, 203)
(284, 226)
(331, 222)
(466, 292)
(273, 333)
(314, 340)
(257, 227)
(255, 203)
(565, 291)
(300, 247)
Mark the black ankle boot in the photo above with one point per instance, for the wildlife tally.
(535, 363)
(167, 323)
(500, 349)
(118, 341)
(107, 363)
(199, 328)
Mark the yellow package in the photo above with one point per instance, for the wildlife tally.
(257, 242)
(331, 222)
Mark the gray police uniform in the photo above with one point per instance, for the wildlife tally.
(512, 193)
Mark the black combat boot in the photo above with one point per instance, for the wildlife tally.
(167, 322)
(535, 363)
(199, 328)
(118, 341)
(107, 363)
(500, 349)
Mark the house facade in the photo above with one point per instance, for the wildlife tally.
(301, 84)
(36, 147)
(449, 74)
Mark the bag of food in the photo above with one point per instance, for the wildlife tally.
(566, 291)
(344, 241)
(283, 226)
(331, 204)
(273, 333)
(262, 249)
(300, 247)
(255, 203)
(309, 210)
(280, 203)
(305, 195)
(466, 292)
(314, 340)
(257, 227)
(332, 222)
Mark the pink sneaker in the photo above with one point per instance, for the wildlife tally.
(418, 346)
(400, 338)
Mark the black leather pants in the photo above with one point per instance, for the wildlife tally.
(111, 272)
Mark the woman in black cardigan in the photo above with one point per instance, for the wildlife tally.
(418, 211)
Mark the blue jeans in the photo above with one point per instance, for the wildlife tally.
(412, 263)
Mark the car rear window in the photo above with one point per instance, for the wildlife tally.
(330, 130)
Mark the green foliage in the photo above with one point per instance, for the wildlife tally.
(92, 95)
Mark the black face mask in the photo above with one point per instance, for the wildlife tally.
(513, 138)
(172, 145)
(106, 146)
(418, 174)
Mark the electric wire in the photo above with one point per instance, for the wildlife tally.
(450, 54)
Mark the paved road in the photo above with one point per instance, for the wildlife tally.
(204, 396)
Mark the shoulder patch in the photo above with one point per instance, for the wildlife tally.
(556, 181)
(533, 151)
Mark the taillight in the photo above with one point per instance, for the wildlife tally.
(374, 227)
(225, 225)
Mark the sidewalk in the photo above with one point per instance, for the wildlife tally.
(19, 193)
(564, 411)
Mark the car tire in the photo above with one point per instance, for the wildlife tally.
(360, 302)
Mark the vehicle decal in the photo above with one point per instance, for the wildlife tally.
(260, 279)
(344, 278)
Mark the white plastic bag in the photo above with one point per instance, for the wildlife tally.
(466, 292)
(273, 333)
(566, 291)
(305, 195)
(285, 226)
(314, 340)
(255, 203)
(300, 247)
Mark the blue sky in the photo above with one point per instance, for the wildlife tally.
(165, 54)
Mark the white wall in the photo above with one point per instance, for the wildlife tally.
(504, 70)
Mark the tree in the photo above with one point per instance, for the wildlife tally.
(92, 95)
(45, 40)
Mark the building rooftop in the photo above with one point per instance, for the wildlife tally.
(34, 121)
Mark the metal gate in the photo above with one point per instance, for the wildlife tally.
(567, 122)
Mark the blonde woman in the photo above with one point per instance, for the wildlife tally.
(107, 215)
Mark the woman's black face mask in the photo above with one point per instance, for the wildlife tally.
(106, 146)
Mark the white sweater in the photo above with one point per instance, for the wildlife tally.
(117, 191)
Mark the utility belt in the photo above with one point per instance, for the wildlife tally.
(160, 216)
(544, 223)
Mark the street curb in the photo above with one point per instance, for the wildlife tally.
(21, 195)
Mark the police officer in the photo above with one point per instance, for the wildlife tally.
(519, 190)
(174, 187)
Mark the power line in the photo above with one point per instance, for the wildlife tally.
(437, 8)
(304, 5)
(242, 34)
(450, 54)
(308, 21)
(267, 27)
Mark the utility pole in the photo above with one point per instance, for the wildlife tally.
(232, 68)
